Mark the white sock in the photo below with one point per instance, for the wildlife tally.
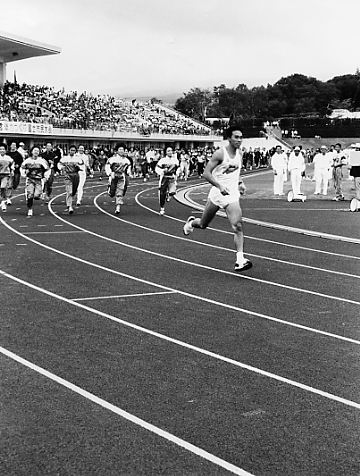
(239, 257)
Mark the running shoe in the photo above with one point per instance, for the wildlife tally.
(117, 209)
(8, 202)
(246, 264)
(3, 206)
(162, 211)
(188, 228)
(30, 212)
(71, 210)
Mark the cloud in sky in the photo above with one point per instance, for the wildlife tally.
(161, 46)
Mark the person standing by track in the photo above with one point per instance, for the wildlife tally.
(167, 168)
(34, 168)
(322, 163)
(82, 173)
(279, 166)
(223, 173)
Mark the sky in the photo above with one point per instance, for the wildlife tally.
(158, 47)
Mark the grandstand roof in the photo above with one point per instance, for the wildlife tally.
(15, 48)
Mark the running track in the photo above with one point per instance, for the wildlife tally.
(127, 348)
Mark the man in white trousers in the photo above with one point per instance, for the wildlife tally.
(82, 173)
(279, 166)
(296, 168)
(322, 165)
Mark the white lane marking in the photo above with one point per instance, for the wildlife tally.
(41, 225)
(24, 226)
(121, 296)
(318, 234)
(290, 263)
(202, 266)
(264, 240)
(184, 293)
(128, 416)
(185, 345)
(21, 244)
(52, 232)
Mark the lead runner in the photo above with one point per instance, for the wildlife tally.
(223, 173)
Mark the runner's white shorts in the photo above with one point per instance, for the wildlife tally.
(223, 201)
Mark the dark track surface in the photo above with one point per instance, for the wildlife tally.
(260, 370)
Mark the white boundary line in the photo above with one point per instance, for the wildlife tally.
(248, 237)
(184, 293)
(290, 263)
(122, 296)
(182, 197)
(185, 345)
(197, 265)
(127, 416)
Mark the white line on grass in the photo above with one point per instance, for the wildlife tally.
(128, 416)
(255, 238)
(202, 266)
(122, 296)
(184, 293)
(290, 263)
(185, 345)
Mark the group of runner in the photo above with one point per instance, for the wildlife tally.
(222, 172)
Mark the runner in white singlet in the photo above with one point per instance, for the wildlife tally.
(223, 173)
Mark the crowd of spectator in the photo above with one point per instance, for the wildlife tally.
(73, 110)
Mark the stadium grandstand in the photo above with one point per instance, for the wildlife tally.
(37, 113)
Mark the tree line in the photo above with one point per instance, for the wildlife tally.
(292, 96)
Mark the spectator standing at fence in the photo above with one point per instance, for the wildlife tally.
(322, 164)
(34, 168)
(18, 160)
(21, 149)
(6, 170)
(69, 167)
(279, 166)
(144, 165)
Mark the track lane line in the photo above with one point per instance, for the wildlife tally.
(290, 263)
(122, 296)
(264, 240)
(127, 416)
(184, 293)
(317, 234)
(185, 345)
(202, 266)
